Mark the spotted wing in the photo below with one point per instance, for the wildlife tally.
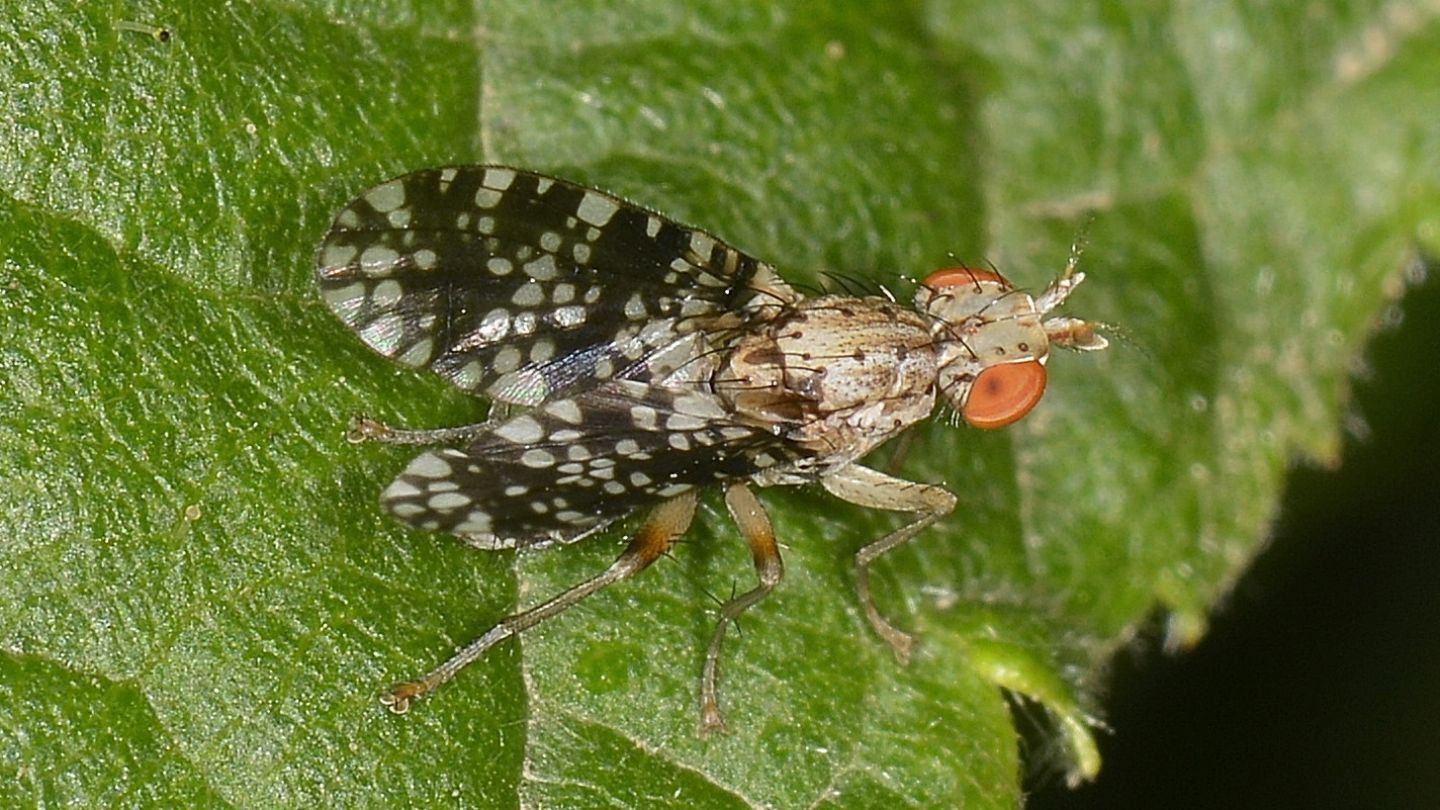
(571, 466)
(518, 286)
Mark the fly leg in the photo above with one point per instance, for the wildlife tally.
(865, 487)
(364, 429)
(662, 528)
(755, 527)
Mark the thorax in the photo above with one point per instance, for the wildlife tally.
(836, 374)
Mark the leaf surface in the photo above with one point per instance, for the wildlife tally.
(199, 597)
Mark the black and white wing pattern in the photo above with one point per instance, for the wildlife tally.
(572, 466)
(518, 286)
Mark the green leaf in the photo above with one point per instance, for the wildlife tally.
(199, 597)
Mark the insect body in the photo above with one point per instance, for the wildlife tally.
(632, 361)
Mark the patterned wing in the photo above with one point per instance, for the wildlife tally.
(571, 466)
(519, 286)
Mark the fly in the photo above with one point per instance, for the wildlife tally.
(632, 361)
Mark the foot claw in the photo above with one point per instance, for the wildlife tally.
(901, 643)
(397, 698)
(710, 720)
(364, 429)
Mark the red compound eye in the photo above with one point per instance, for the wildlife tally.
(955, 276)
(1000, 395)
